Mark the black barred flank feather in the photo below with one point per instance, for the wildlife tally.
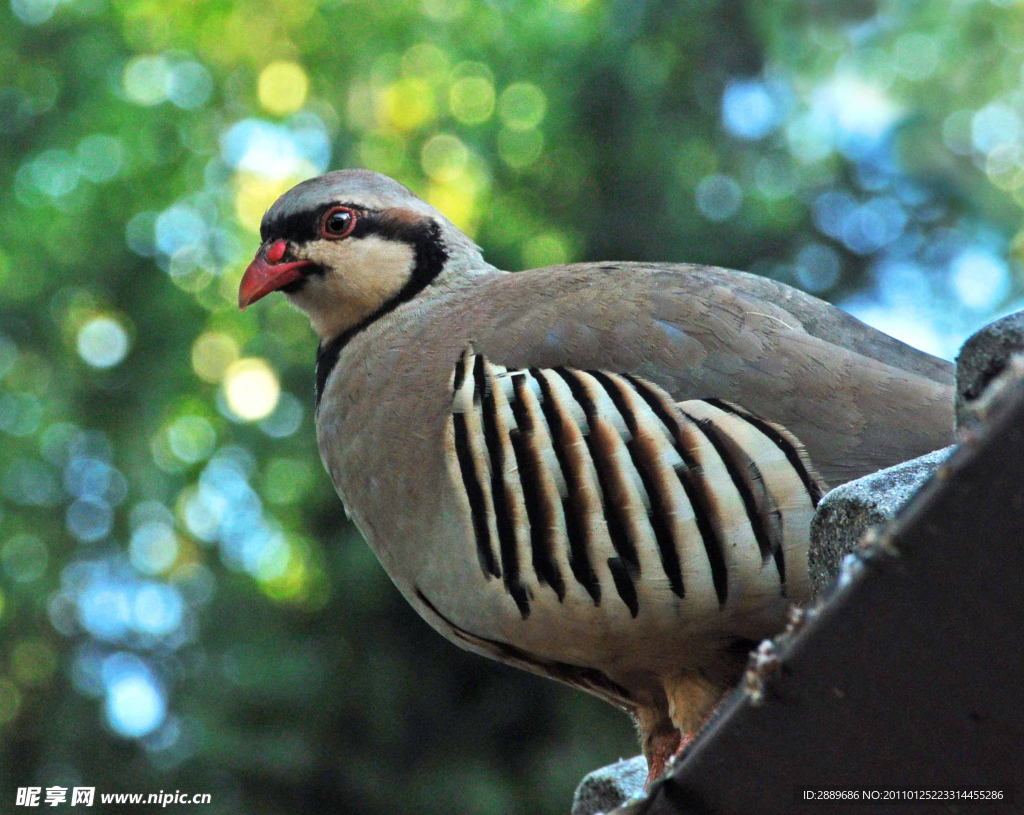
(540, 507)
(502, 510)
(607, 475)
(574, 505)
(789, 446)
(744, 485)
(691, 477)
(607, 454)
(647, 467)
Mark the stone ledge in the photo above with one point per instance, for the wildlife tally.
(609, 787)
(983, 359)
(846, 513)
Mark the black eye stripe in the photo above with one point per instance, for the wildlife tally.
(304, 226)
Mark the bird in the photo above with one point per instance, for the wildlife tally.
(604, 472)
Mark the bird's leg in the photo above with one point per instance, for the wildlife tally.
(659, 739)
(692, 699)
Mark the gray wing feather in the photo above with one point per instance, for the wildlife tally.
(858, 399)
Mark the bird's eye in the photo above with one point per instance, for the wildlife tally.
(338, 223)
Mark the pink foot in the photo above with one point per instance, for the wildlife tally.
(686, 739)
(684, 742)
(661, 747)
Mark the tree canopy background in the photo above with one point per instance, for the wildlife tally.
(183, 604)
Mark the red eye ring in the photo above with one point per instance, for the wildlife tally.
(340, 228)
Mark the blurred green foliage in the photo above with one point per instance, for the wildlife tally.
(183, 604)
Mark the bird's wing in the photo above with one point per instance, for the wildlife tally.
(858, 399)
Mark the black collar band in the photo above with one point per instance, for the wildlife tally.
(430, 258)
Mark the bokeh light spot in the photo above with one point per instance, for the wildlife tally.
(285, 419)
(102, 342)
(980, 279)
(89, 520)
(191, 438)
(180, 228)
(522, 105)
(471, 99)
(409, 103)
(153, 548)
(444, 157)
(861, 112)
(104, 609)
(817, 267)
(718, 197)
(749, 109)
(425, 60)
(135, 705)
(90, 478)
(158, 609)
(189, 85)
(278, 153)
(251, 389)
(212, 354)
(34, 12)
(282, 87)
(995, 125)
(145, 80)
(55, 173)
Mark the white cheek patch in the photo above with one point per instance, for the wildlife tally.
(362, 274)
(373, 269)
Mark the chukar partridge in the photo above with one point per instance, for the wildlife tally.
(602, 472)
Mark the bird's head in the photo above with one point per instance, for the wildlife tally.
(350, 245)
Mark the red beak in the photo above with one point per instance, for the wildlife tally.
(263, 277)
